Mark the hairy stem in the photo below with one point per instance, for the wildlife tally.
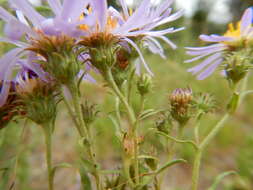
(133, 121)
(215, 130)
(47, 128)
(82, 127)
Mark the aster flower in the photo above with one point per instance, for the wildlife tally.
(127, 26)
(37, 97)
(29, 26)
(236, 38)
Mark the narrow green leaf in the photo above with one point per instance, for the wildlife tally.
(168, 164)
(149, 113)
(59, 166)
(219, 178)
(195, 146)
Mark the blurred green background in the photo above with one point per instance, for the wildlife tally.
(22, 164)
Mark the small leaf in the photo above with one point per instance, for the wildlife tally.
(149, 113)
(219, 178)
(178, 141)
(170, 163)
(59, 166)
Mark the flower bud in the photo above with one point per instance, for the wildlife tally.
(204, 102)
(102, 49)
(164, 124)
(237, 65)
(144, 84)
(89, 113)
(58, 57)
(38, 98)
(180, 101)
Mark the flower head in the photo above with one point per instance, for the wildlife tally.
(180, 101)
(32, 33)
(237, 37)
(38, 98)
(129, 27)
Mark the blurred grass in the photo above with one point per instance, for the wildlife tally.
(232, 149)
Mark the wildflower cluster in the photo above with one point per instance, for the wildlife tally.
(237, 41)
(53, 55)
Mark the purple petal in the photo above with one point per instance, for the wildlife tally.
(163, 32)
(169, 42)
(15, 42)
(215, 38)
(7, 63)
(15, 30)
(209, 70)
(72, 9)
(28, 11)
(87, 77)
(124, 7)
(140, 54)
(206, 62)
(171, 18)
(56, 6)
(206, 51)
(115, 14)
(100, 8)
(205, 47)
(5, 15)
(154, 46)
(137, 19)
(197, 58)
(36, 68)
(246, 20)
(21, 17)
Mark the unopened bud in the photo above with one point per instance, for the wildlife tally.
(89, 113)
(237, 65)
(38, 98)
(180, 100)
(144, 84)
(204, 102)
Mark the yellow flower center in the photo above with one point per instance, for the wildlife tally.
(111, 22)
(233, 31)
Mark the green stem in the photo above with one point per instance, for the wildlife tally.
(214, 132)
(47, 128)
(196, 169)
(71, 113)
(82, 128)
(133, 121)
(211, 135)
(117, 109)
(124, 101)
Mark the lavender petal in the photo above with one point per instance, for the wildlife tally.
(140, 54)
(206, 62)
(215, 38)
(209, 70)
(246, 20)
(28, 11)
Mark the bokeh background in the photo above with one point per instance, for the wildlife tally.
(22, 164)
